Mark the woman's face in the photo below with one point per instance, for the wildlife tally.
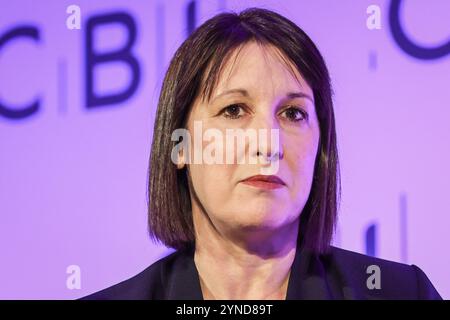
(230, 204)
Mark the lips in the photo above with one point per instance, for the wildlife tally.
(265, 182)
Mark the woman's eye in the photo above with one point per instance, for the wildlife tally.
(233, 111)
(295, 114)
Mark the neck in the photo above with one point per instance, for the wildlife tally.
(255, 266)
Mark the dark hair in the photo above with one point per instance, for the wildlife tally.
(197, 64)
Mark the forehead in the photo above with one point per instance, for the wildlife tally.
(259, 66)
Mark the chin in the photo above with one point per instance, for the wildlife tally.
(259, 221)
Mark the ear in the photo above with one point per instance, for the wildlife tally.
(181, 160)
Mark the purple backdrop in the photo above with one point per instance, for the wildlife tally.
(73, 167)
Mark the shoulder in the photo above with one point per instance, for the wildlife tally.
(148, 284)
(375, 278)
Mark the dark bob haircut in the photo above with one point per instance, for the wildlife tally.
(194, 70)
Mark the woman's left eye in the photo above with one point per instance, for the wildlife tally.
(295, 114)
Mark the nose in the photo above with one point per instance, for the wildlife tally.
(268, 138)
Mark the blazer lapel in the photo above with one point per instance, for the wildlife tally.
(184, 283)
(308, 279)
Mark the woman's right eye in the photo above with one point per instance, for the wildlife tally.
(233, 111)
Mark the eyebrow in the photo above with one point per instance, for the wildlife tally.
(290, 95)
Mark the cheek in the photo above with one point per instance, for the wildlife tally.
(301, 161)
(211, 182)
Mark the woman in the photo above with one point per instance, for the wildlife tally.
(241, 233)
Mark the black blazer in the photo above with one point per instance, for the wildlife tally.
(339, 274)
